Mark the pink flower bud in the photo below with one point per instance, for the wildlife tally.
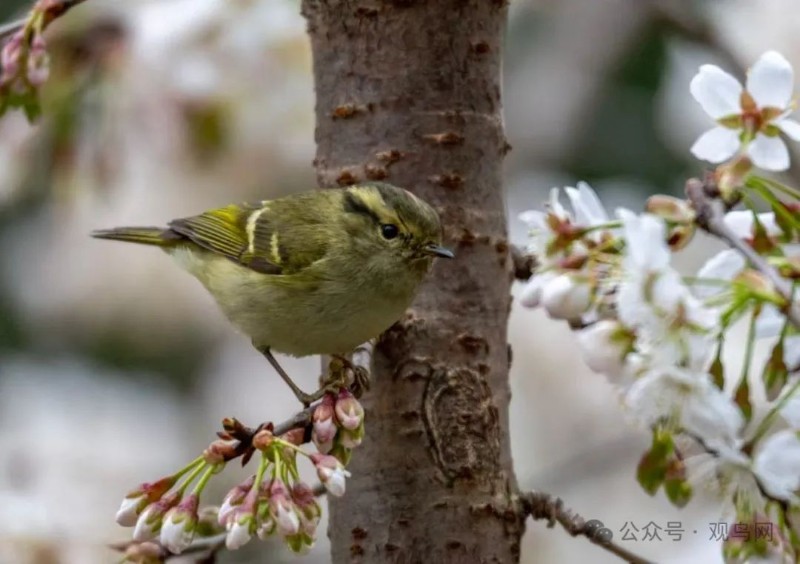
(179, 525)
(9, 57)
(351, 439)
(135, 502)
(239, 532)
(241, 524)
(349, 411)
(331, 473)
(282, 509)
(149, 523)
(233, 499)
(308, 508)
(324, 426)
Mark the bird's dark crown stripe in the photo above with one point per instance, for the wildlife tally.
(354, 204)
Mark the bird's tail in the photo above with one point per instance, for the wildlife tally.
(157, 236)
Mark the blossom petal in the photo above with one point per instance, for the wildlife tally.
(645, 237)
(769, 153)
(532, 293)
(791, 409)
(725, 265)
(718, 92)
(534, 218)
(716, 145)
(790, 127)
(771, 80)
(741, 222)
(589, 211)
(791, 352)
(777, 465)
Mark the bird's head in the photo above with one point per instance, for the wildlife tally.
(393, 226)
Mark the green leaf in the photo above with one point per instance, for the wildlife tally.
(742, 399)
(652, 469)
(776, 372)
(717, 370)
(679, 491)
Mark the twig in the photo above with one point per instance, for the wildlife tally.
(524, 263)
(711, 211)
(54, 10)
(540, 505)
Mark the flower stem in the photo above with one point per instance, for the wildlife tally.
(190, 478)
(203, 481)
(262, 468)
(748, 351)
(177, 475)
(775, 185)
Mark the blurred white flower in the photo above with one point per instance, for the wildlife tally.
(777, 465)
(567, 296)
(742, 223)
(688, 399)
(532, 293)
(670, 323)
(604, 346)
(750, 117)
(723, 266)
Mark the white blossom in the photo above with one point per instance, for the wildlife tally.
(671, 324)
(742, 223)
(566, 296)
(604, 346)
(688, 399)
(777, 465)
(532, 293)
(750, 117)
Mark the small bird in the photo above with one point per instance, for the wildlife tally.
(313, 273)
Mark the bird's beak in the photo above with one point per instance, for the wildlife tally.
(438, 251)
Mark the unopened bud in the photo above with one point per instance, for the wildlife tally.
(349, 411)
(673, 210)
(219, 452)
(567, 296)
(263, 439)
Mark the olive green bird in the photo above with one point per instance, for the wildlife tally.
(312, 273)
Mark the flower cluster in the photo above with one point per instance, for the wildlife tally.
(338, 424)
(24, 62)
(659, 336)
(166, 514)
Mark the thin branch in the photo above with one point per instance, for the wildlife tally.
(524, 263)
(711, 211)
(53, 11)
(540, 505)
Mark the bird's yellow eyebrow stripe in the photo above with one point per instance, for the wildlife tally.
(375, 203)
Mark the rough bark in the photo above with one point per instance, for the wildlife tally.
(409, 92)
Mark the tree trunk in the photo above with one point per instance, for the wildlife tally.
(409, 92)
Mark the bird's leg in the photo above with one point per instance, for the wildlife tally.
(304, 398)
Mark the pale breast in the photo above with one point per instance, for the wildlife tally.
(332, 318)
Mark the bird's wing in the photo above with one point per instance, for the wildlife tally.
(231, 232)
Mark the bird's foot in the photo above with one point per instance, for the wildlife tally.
(356, 377)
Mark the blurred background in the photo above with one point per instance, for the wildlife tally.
(116, 367)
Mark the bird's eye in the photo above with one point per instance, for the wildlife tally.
(389, 231)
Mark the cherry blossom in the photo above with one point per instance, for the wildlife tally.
(749, 119)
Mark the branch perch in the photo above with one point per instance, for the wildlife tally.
(711, 211)
(541, 505)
